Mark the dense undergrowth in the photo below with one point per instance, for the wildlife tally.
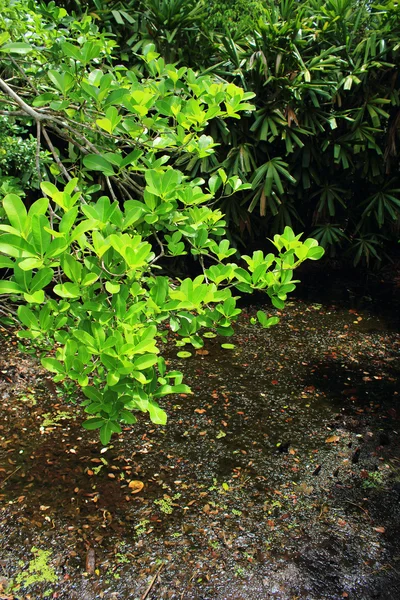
(320, 151)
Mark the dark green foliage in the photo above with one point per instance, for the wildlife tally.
(321, 149)
(234, 15)
(17, 154)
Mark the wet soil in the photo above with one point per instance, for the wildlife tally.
(279, 477)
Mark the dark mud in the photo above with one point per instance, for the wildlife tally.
(278, 478)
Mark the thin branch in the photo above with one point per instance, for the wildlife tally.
(201, 261)
(37, 155)
(13, 113)
(103, 266)
(152, 582)
(25, 107)
(123, 188)
(58, 161)
(7, 311)
(10, 475)
(135, 186)
(55, 155)
(67, 138)
(24, 75)
(110, 187)
(162, 253)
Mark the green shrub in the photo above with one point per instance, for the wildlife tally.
(92, 271)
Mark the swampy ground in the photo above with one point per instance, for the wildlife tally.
(278, 478)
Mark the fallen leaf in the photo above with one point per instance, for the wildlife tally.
(136, 486)
(309, 389)
(332, 438)
(380, 529)
(270, 523)
(305, 489)
(202, 352)
(200, 411)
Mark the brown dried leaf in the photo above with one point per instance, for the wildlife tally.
(270, 523)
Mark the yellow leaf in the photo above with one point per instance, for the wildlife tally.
(333, 438)
(136, 486)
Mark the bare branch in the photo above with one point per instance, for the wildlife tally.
(56, 123)
(201, 261)
(25, 107)
(13, 113)
(37, 155)
(58, 161)
(24, 75)
(55, 155)
(162, 252)
(110, 187)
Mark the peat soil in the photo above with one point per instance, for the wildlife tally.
(279, 477)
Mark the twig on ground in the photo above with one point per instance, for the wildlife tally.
(10, 475)
(152, 582)
(360, 507)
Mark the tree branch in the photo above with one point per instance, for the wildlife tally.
(25, 107)
(55, 155)
(56, 123)
(37, 154)
(162, 253)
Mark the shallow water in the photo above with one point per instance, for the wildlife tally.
(278, 478)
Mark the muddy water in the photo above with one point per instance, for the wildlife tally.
(278, 478)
